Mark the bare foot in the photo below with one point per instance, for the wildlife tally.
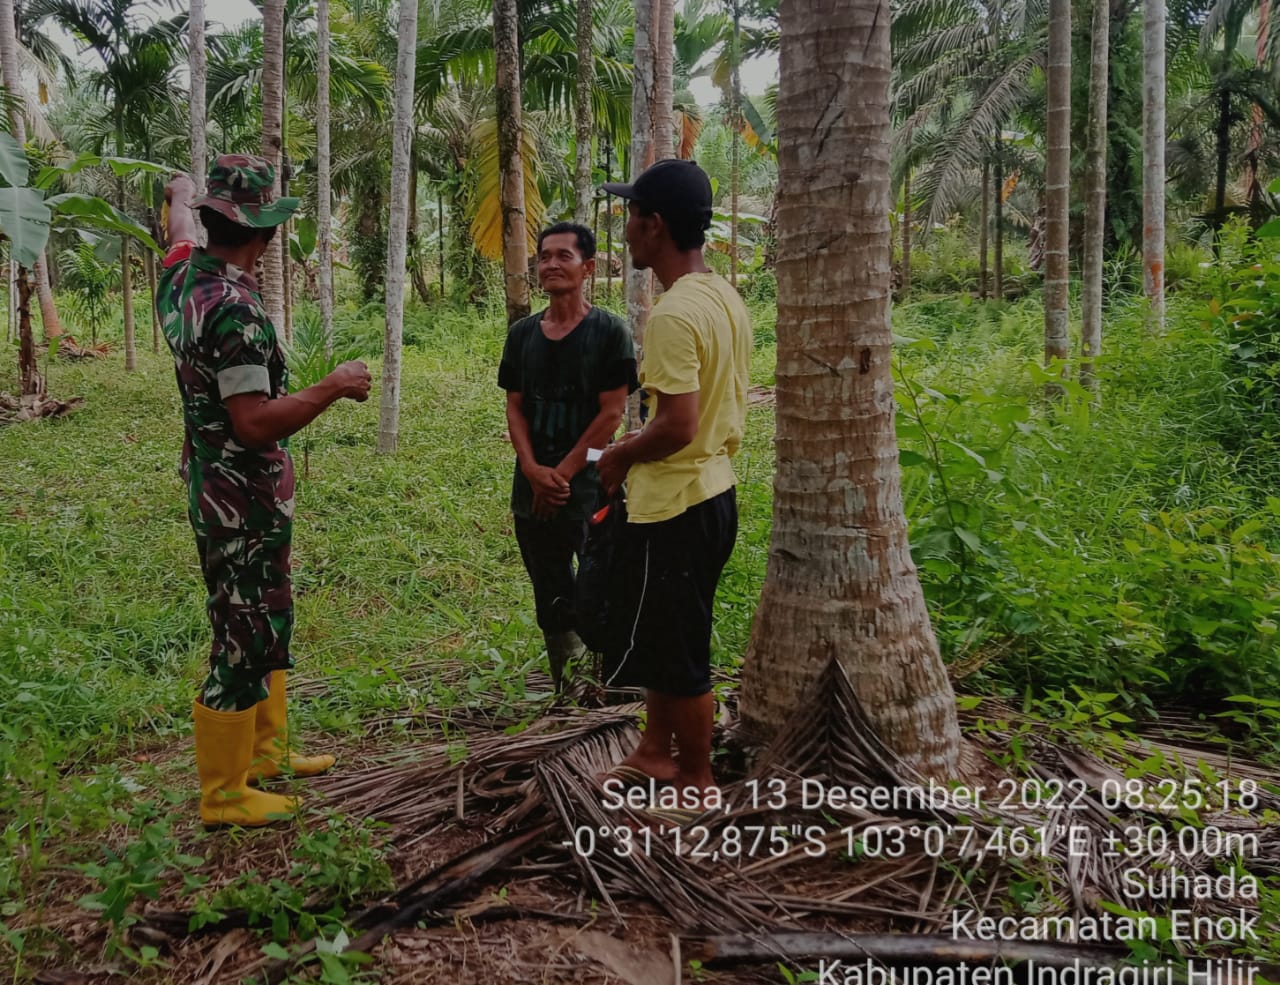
(662, 769)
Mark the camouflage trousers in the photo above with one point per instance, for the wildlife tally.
(250, 608)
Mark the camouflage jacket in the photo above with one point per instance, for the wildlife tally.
(224, 344)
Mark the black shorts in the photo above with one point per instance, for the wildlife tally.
(665, 579)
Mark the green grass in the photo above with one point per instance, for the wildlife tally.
(1110, 545)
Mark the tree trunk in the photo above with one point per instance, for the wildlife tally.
(584, 121)
(440, 235)
(663, 34)
(735, 139)
(1095, 189)
(29, 381)
(126, 276)
(48, 310)
(272, 144)
(639, 282)
(998, 189)
(982, 235)
(198, 64)
(906, 231)
(149, 266)
(840, 583)
(1253, 182)
(18, 127)
(324, 179)
(595, 228)
(1153, 171)
(1224, 157)
(608, 222)
(413, 250)
(1057, 341)
(515, 242)
(398, 225)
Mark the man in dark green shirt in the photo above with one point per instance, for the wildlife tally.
(567, 372)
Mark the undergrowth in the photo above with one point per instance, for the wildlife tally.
(1120, 540)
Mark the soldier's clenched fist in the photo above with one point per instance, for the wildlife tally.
(354, 379)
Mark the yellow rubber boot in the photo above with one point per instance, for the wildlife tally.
(224, 749)
(271, 740)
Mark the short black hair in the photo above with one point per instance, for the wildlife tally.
(586, 238)
(223, 232)
(687, 232)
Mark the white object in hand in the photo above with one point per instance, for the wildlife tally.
(593, 454)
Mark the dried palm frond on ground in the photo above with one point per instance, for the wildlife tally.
(767, 879)
(33, 406)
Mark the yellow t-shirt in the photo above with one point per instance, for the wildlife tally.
(698, 338)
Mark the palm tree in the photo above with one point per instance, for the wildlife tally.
(962, 74)
(1095, 194)
(274, 259)
(401, 149)
(515, 246)
(640, 282)
(735, 112)
(324, 184)
(664, 24)
(135, 77)
(1153, 171)
(40, 54)
(1058, 182)
(458, 58)
(1233, 83)
(198, 60)
(584, 120)
(840, 584)
(29, 382)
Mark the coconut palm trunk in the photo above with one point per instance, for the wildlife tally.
(1153, 167)
(515, 242)
(324, 176)
(998, 249)
(840, 584)
(982, 234)
(1057, 184)
(735, 137)
(906, 230)
(19, 280)
(1095, 191)
(1223, 141)
(126, 267)
(272, 144)
(584, 121)
(44, 292)
(149, 269)
(639, 282)
(664, 31)
(198, 62)
(398, 225)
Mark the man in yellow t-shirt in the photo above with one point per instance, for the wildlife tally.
(681, 506)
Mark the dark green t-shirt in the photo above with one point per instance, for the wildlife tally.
(560, 383)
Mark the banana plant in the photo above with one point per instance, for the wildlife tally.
(28, 212)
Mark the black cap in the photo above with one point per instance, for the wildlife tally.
(673, 188)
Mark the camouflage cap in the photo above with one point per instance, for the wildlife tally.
(239, 186)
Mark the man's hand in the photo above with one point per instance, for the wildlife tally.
(550, 490)
(353, 380)
(180, 189)
(613, 465)
(180, 227)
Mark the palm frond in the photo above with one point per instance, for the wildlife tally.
(943, 182)
(486, 202)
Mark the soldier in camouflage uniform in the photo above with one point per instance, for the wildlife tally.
(237, 413)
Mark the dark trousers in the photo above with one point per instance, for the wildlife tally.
(250, 608)
(664, 598)
(549, 549)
